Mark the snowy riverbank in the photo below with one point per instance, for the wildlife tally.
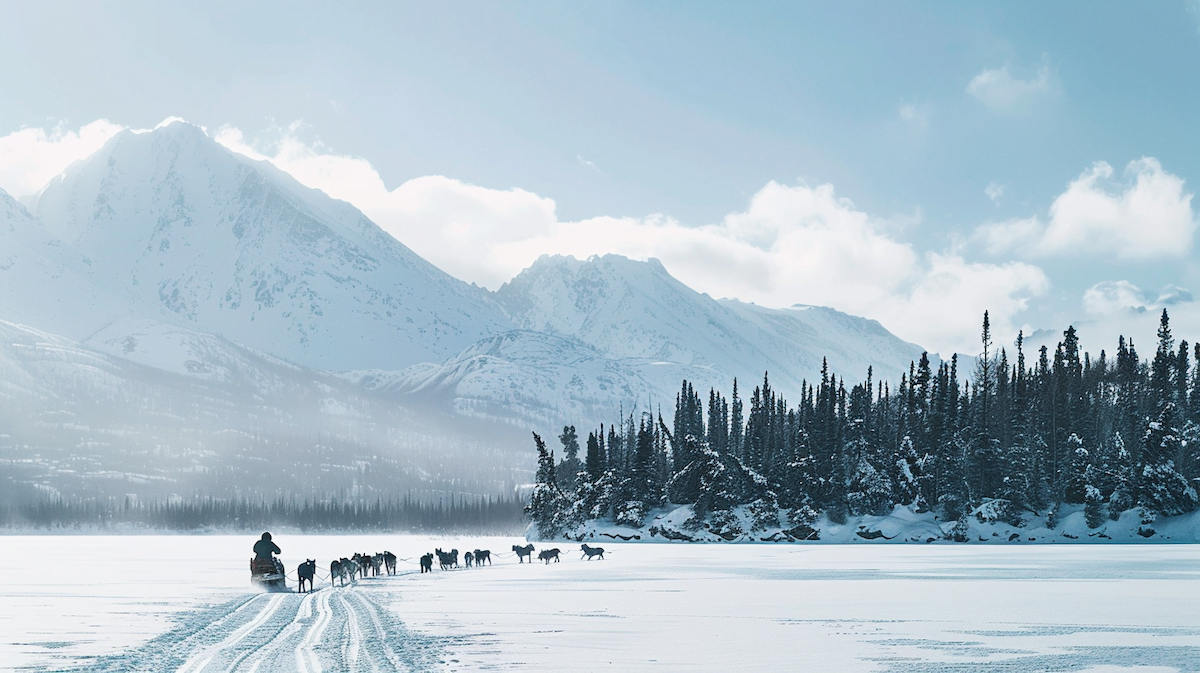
(903, 525)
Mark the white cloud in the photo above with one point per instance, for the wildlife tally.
(793, 244)
(1120, 308)
(1110, 297)
(31, 156)
(1149, 216)
(1119, 296)
(1013, 235)
(459, 227)
(908, 112)
(1002, 92)
(994, 191)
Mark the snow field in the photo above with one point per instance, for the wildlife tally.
(825, 608)
(644, 607)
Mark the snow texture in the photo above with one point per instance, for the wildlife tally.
(182, 603)
(902, 525)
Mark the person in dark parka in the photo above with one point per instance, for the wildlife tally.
(264, 548)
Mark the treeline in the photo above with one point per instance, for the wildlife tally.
(467, 515)
(1025, 433)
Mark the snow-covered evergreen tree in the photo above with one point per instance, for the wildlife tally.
(1109, 433)
(1075, 479)
(1162, 489)
(548, 508)
(1093, 508)
(567, 472)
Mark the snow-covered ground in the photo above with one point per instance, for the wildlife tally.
(901, 526)
(181, 602)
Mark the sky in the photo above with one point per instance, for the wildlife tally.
(913, 163)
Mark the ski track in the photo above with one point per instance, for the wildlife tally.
(306, 655)
(340, 629)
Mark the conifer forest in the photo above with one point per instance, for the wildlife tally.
(1019, 435)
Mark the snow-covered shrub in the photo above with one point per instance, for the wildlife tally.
(763, 514)
(724, 523)
(961, 530)
(630, 513)
(802, 515)
(992, 510)
(1165, 491)
(870, 490)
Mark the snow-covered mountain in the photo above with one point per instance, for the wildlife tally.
(609, 334)
(174, 306)
(46, 283)
(78, 422)
(536, 380)
(239, 248)
(637, 311)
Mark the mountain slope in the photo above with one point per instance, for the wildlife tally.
(609, 335)
(532, 379)
(636, 311)
(238, 248)
(77, 422)
(44, 282)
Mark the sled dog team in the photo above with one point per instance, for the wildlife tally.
(350, 569)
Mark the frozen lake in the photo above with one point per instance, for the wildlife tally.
(183, 603)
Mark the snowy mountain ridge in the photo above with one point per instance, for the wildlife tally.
(218, 243)
(166, 252)
(637, 310)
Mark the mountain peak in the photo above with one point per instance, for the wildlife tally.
(173, 137)
(609, 269)
(175, 127)
(240, 248)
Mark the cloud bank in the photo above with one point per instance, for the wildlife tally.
(1148, 216)
(793, 244)
(31, 156)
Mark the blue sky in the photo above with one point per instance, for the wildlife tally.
(959, 138)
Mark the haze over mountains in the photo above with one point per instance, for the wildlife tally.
(180, 319)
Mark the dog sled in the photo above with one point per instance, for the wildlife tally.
(268, 574)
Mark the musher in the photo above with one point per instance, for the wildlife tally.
(263, 550)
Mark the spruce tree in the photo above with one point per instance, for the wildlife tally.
(568, 470)
(1162, 489)
(736, 427)
(595, 457)
(1124, 493)
(1075, 483)
(1163, 369)
(548, 508)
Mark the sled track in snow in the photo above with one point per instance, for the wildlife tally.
(342, 629)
